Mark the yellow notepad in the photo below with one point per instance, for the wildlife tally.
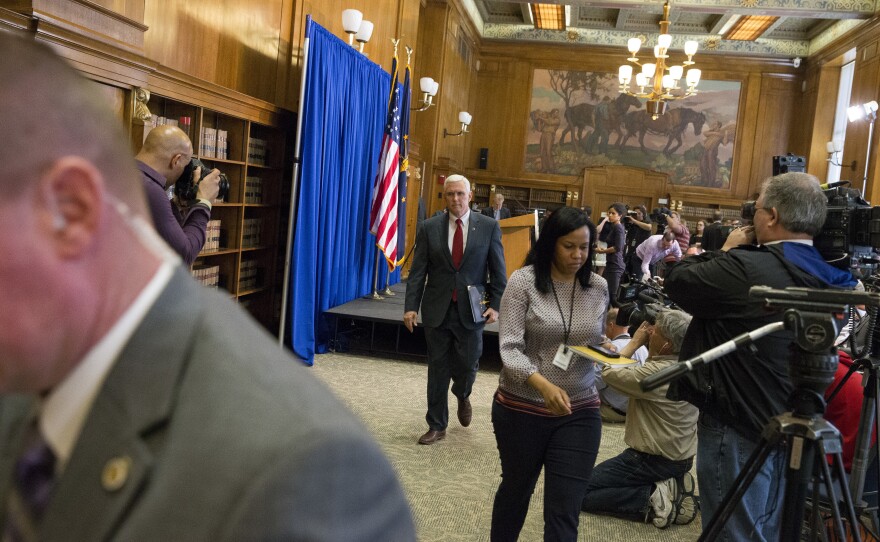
(599, 357)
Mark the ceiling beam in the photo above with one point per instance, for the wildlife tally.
(817, 9)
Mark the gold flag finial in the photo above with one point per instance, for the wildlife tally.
(409, 51)
(395, 42)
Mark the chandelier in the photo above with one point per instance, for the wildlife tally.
(657, 82)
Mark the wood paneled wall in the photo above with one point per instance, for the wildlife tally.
(250, 47)
(447, 32)
(863, 45)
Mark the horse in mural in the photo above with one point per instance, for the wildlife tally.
(582, 116)
(578, 118)
(673, 123)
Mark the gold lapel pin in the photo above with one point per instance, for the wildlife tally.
(116, 473)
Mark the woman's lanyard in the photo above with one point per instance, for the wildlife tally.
(565, 326)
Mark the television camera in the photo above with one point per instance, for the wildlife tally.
(659, 214)
(641, 302)
(851, 231)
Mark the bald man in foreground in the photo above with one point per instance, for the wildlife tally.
(212, 432)
(166, 152)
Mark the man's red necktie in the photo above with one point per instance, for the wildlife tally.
(457, 250)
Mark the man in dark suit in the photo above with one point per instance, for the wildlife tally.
(713, 236)
(137, 405)
(497, 211)
(453, 251)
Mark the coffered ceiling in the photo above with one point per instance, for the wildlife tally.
(802, 27)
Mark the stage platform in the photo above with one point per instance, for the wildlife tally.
(375, 326)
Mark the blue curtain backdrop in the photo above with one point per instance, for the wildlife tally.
(333, 256)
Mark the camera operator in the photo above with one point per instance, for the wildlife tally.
(739, 393)
(166, 152)
(676, 225)
(638, 228)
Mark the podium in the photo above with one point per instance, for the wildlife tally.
(517, 234)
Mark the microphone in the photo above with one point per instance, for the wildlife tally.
(834, 184)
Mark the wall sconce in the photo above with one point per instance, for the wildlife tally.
(834, 149)
(356, 27)
(860, 112)
(351, 23)
(465, 119)
(429, 89)
(363, 34)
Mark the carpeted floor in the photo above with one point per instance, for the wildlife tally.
(450, 485)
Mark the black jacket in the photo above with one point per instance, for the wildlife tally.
(713, 237)
(743, 389)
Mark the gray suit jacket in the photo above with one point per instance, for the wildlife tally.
(228, 439)
(432, 276)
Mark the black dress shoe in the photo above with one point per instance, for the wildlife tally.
(432, 436)
(464, 412)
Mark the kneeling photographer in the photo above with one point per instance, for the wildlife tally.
(739, 393)
(163, 160)
(650, 481)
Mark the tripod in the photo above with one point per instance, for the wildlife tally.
(803, 431)
(868, 363)
(805, 435)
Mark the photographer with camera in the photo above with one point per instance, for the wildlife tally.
(637, 226)
(612, 234)
(165, 155)
(739, 393)
(676, 225)
(650, 481)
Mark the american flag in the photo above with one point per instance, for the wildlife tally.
(383, 210)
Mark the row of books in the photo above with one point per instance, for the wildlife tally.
(248, 275)
(184, 123)
(253, 190)
(253, 232)
(212, 236)
(214, 143)
(207, 276)
(257, 150)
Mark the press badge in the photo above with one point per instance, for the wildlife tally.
(563, 357)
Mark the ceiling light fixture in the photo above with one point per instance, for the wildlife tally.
(750, 27)
(657, 82)
(548, 16)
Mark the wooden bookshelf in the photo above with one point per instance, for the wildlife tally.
(245, 259)
(521, 199)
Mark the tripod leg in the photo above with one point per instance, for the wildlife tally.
(740, 486)
(817, 527)
(800, 465)
(868, 420)
(847, 499)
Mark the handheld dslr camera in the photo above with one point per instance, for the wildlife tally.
(186, 190)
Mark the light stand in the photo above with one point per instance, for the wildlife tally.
(868, 150)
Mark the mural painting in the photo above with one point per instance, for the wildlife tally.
(580, 119)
